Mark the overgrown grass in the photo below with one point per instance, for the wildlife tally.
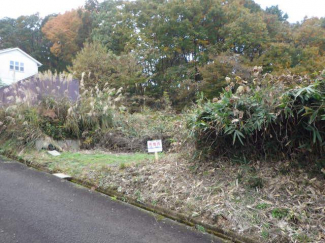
(98, 119)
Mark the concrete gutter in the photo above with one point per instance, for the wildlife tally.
(226, 235)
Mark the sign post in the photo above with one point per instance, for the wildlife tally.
(155, 146)
(156, 156)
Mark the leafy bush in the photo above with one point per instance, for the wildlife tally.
(267, 115)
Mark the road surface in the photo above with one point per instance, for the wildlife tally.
(36, 207)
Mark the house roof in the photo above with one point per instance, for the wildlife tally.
(21, 51)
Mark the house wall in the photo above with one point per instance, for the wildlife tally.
(35, 89)
(11, 76)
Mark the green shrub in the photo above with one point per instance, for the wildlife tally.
(265, 116)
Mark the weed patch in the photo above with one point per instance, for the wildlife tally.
(280, 213)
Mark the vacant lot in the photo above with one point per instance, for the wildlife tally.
(278, 203)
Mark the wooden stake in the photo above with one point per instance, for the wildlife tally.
(156, 156)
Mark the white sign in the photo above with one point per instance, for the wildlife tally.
(154, 146)
(54, 153)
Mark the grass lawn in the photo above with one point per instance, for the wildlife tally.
(74, 163)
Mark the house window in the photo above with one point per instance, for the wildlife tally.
(17, 66)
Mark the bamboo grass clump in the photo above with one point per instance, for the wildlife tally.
(265, 116)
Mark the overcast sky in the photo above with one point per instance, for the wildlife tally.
(296, 9)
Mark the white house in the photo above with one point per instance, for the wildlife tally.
(16, 65)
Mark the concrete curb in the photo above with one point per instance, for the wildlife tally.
(226, 235)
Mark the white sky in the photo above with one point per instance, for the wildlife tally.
(16, 8)
(296, 9)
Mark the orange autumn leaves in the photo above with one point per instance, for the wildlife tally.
(62, 31)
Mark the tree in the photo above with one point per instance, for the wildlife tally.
(23, 32)
(311, 33)
(102, 66)
(7, 33)
(277, 57)
(91, 5)
(245, 32)
(174, 39)
(114, 27)
(274, 10)
(62, 31)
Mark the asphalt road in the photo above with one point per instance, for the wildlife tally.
(36, 207)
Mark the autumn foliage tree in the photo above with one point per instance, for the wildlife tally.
(62, 31)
